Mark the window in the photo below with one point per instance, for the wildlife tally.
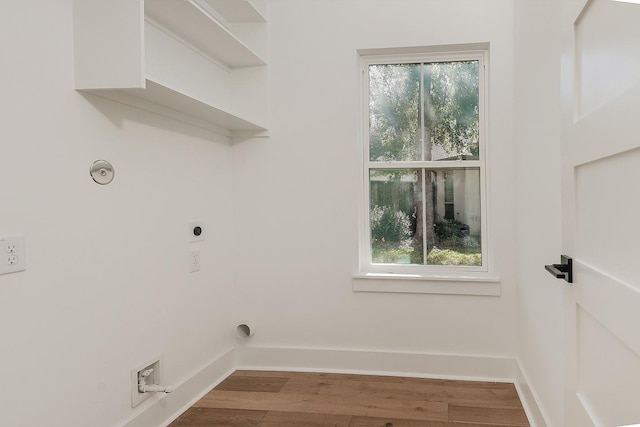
(424, 164)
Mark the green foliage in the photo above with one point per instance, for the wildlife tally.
(391, 241)
(453, 101)
(449, 113)
(452, 234)
(451, 257)
(449, 228)
(393, 253)
(390, 253)
(389, 225)
(394, 111)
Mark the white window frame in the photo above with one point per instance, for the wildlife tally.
(467, 280)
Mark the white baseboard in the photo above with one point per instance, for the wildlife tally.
(421, 365)
(167, 408)
(480, 368)
(528, 398)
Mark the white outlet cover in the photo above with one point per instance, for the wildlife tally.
(192, 236)
(12, 253)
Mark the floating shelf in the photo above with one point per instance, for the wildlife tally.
(112, 58)
(192, 23)
(162, 100)
(235, 11)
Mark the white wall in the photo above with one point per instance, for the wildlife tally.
(296, 194)
(540, 296)
(106, 286)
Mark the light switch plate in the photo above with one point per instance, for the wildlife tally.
(194, 261)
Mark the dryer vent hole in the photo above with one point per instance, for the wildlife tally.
(243, 331)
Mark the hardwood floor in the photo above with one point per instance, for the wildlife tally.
(286, 399)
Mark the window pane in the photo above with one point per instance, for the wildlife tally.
(394, 117)
(451, 94)
(396, 198)
(454, 215)
(447, 222)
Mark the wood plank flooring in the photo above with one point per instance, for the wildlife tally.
(287, 399)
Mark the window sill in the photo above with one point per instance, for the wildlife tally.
(478, 285)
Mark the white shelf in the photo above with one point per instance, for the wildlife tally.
(162, 100)
(200, 69)
(236, 11)
(191, 22)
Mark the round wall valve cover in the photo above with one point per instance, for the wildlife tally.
(102, 172)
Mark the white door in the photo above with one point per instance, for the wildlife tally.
(601, 211)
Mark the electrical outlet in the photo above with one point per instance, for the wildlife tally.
(12, 254)
(194, 261)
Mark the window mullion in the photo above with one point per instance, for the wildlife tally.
(424, 216)
(434, 164)
(421, 112)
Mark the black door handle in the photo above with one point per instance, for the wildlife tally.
(564, 270)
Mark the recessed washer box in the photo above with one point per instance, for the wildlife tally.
(155, 378)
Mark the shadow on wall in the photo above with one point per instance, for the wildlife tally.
(118, 113)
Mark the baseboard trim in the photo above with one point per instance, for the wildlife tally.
(445, 366)
(529, 399)
(167, 408)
